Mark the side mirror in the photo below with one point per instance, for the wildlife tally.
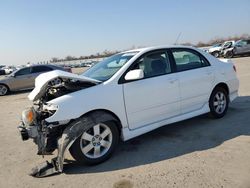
(134, 75)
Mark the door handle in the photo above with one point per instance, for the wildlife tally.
(172, 80)
(209, 72)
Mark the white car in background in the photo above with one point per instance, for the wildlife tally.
(217, 49)
(9, 69)
(124, 96)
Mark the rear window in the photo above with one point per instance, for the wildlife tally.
(188, 59)
(38, 69)
(23, 71)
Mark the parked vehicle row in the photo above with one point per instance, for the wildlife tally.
(6, 70)
(124, 96)
(230, 49)
(78, 65)
(217, 49)
(241, 47)
(24, 78)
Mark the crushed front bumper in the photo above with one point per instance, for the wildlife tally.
(45, 169)
(23, 132)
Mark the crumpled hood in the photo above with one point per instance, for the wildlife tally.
(218, 48)
(42, 81)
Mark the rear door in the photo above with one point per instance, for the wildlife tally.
(195, 76)
(248, 46)
(155, 97)
(241, 47)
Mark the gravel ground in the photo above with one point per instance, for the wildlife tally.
(199, 152)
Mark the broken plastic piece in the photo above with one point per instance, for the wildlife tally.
(45, 169)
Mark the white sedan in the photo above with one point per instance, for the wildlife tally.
(124, 96)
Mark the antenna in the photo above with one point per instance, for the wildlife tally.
(177, 38)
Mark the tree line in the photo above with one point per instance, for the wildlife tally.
(107, 53)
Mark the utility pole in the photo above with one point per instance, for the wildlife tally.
(177, 38)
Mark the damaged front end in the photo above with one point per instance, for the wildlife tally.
(54, 135)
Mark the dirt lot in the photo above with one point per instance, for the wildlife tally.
(200, 152)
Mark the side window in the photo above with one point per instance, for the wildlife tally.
(187, 59)
(38, 69)
(154, 64)
(227, 45)
(241, 43)
(23, 71)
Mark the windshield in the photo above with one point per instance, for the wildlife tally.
(105, 69)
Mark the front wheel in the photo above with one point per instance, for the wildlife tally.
(3, 90)
(96, 144)
(216, 54)
(218, 102)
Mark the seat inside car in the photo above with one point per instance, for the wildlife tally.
(158, 67)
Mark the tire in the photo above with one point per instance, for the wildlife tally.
(216, 54)
(85, 148)
(3, 90)
(229, 54)
(218, 102)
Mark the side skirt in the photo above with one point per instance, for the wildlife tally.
(129, 134)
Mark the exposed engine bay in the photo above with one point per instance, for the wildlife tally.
(47, 135)
(59, 87)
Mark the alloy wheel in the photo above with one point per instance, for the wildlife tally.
(219, 102)
(3, 90)
(96, 141)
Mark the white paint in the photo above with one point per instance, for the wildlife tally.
(146, 104)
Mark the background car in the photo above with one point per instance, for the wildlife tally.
(241, 47)
(2, 72)
(24, 78)
(9, 69)
(217, 49)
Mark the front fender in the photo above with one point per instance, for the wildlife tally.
(70, 134)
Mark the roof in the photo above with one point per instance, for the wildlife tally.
(158, 47)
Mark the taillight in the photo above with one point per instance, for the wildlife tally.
(234, 68)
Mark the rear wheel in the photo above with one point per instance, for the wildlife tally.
(96, 144)
(3, 90)
(229, 54)
(218, 102)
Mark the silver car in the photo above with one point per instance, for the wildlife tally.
(24, 78)
(241, 47)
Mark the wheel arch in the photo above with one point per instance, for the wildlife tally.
(105, 115)
(8, 88)
(222, 85)
(75, 128)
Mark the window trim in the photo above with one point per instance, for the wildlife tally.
(192, 51)
(48, 67)
(16, 75)
(165, 50)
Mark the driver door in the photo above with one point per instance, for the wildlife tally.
(155, 97)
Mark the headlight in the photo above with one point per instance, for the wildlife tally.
(29, 116)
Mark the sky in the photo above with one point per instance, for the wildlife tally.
(35, 31)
